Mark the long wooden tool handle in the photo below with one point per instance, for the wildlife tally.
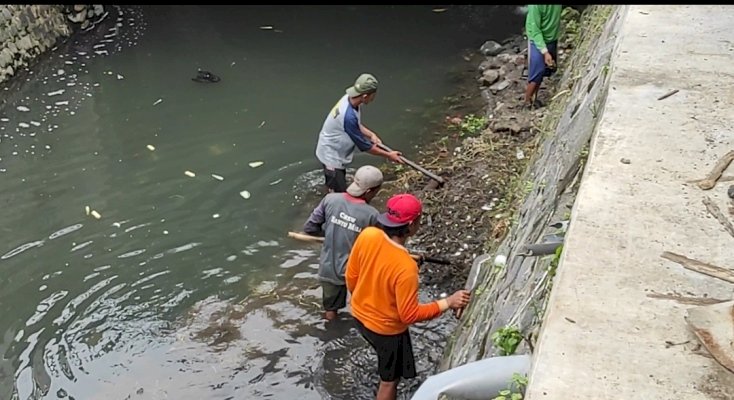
(305, 237)
(415, 166)
(317, 239)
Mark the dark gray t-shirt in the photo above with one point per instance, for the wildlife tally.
(340, 218)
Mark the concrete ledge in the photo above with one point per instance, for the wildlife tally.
(603, 336)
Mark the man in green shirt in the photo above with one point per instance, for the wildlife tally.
(542, 25)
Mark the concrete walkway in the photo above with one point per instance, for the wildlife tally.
(606, 329)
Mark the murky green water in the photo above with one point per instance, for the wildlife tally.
(184, 288)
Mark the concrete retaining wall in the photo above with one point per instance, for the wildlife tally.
(515, 295)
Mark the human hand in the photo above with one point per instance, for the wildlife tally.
(548, 59)
(395, 156)
(459, 299)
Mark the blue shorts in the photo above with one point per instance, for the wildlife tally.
(536, 63)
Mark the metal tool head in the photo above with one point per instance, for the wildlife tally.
(471, 280)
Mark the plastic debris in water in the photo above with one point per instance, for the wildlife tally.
(256, 164)
(273, 183)
(218, 177)
(150, 147)
(215, 216)
(245, 194)
(439, 10)
(86, 209)
(261, 125)
(23, 108)
(95, 214)
(266, 27)
(500, 260)
(157, 102)
(189, 173)
(120, 76)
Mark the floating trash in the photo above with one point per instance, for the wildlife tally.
(23, 108)
(218, 177)
(256, 164)
(261, 125)
(439, 10)
(95, 214)
(119, 77)
(275, 182)
(189, 173)
(150, 147)
(23, 125)
(245, 194)
(158, 102)
(86, 209)
(215, 216)
(267, 27)
(56, 93)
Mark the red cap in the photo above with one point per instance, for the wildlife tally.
(402, 209)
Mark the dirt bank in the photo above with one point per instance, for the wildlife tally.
(482, 149)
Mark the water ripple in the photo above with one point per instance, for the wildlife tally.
(65, 231)
(45, 305)
(131, 253)
(21, 249)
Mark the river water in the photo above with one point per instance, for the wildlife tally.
(143, 215)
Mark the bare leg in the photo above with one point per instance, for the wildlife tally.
(530, 93)
(330, 315)
(387, 390)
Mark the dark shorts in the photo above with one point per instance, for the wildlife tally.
(334, 296)
(394, 353)
(536, 62)
(336, 179)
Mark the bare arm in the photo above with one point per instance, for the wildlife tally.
(369, 134)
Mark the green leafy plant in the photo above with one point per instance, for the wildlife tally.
(514, 391)
(554, 261)
(506, 339)
(472, 124)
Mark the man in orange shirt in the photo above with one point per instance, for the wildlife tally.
(383, 280)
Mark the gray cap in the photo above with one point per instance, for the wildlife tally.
(365, 83)
(366, 178)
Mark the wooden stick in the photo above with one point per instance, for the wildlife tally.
(727, 178)
(716, 212)
(316, 239)
(710, 181)
(666, 95)
(700, 267)
(416, 166)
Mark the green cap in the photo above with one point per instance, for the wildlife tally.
(366, 83)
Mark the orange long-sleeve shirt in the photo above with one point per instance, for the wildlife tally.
(383, 280)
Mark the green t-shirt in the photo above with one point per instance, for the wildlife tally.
(543, 24)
